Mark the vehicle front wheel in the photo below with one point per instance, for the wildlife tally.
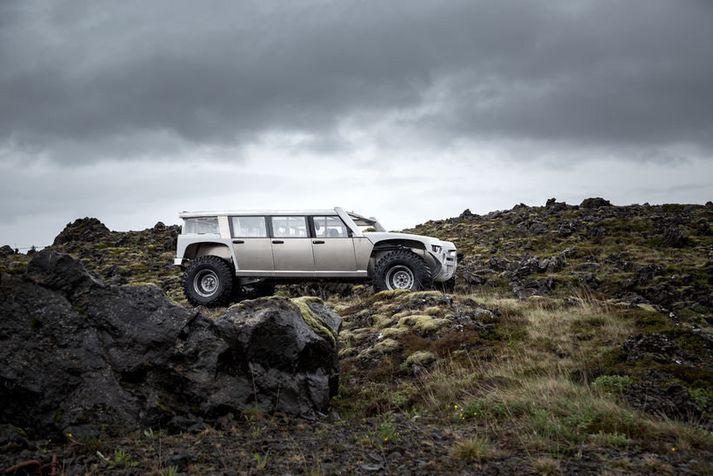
(209, 281)
(401, 269)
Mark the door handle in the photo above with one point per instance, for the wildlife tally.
(277, 242)
(318, 242)
(238, 242)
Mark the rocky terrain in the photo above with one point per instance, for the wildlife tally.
(579, 340)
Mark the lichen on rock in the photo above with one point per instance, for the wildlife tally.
(328, 327)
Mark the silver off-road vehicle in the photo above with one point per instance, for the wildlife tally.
(227, 253)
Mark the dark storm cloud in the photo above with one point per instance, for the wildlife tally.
(81, 81)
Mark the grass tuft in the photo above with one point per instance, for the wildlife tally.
(475, 449)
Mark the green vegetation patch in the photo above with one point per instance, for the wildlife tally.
(303, 303)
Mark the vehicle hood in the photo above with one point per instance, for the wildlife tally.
(376, 236)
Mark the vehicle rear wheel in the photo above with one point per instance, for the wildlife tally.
(209, 281)
(401, 269)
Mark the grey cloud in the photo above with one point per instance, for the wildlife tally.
(84, 80)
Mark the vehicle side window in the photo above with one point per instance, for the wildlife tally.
(248, 227)
(200, 226)
(330, 227)
(289, 227)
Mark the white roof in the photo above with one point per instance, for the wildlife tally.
(326, 211)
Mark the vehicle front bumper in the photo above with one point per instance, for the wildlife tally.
(447, 261)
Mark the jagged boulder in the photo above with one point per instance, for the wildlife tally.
(81, 356)
(88, 230)
(6, 250)
(553, 205)
(466, 214)
(594, 202)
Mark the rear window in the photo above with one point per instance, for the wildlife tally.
(200, 226)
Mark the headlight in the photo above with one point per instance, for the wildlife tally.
(436, 248)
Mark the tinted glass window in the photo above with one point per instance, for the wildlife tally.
(330, 227)
(202, 225)
(289, 227)
(249, 227)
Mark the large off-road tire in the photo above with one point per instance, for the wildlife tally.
(401, 269)
(209, 281)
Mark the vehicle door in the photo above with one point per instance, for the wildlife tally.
(332, 245)
(252, 243)
(291, 244)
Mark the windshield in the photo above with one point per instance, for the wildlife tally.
(366, 224)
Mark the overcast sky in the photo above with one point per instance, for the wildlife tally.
(408, 110)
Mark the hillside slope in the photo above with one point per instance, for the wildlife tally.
(579, 340)
(660, 255)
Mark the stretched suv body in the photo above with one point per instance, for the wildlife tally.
(228, 250)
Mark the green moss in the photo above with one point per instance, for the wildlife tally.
(143, 284)
(138, 268)
(311, 319)
(422, 323)
(394, 332)
(117, 251)
(390, 294)
(436, 311)
(647, 307)
(380, 321)
(386, 346)
(421, 358)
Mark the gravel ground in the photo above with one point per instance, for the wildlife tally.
(280, 445)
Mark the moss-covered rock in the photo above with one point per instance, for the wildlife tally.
(422, 358)
(423, 323)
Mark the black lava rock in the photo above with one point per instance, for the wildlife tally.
(594, 202)
(82, 230)
(82, 356)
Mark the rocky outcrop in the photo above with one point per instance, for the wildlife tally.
(82, 230)
(499, 249)
(466, 214)
(517, 273)
(594, 202)
(82, 356)
(553, 205)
